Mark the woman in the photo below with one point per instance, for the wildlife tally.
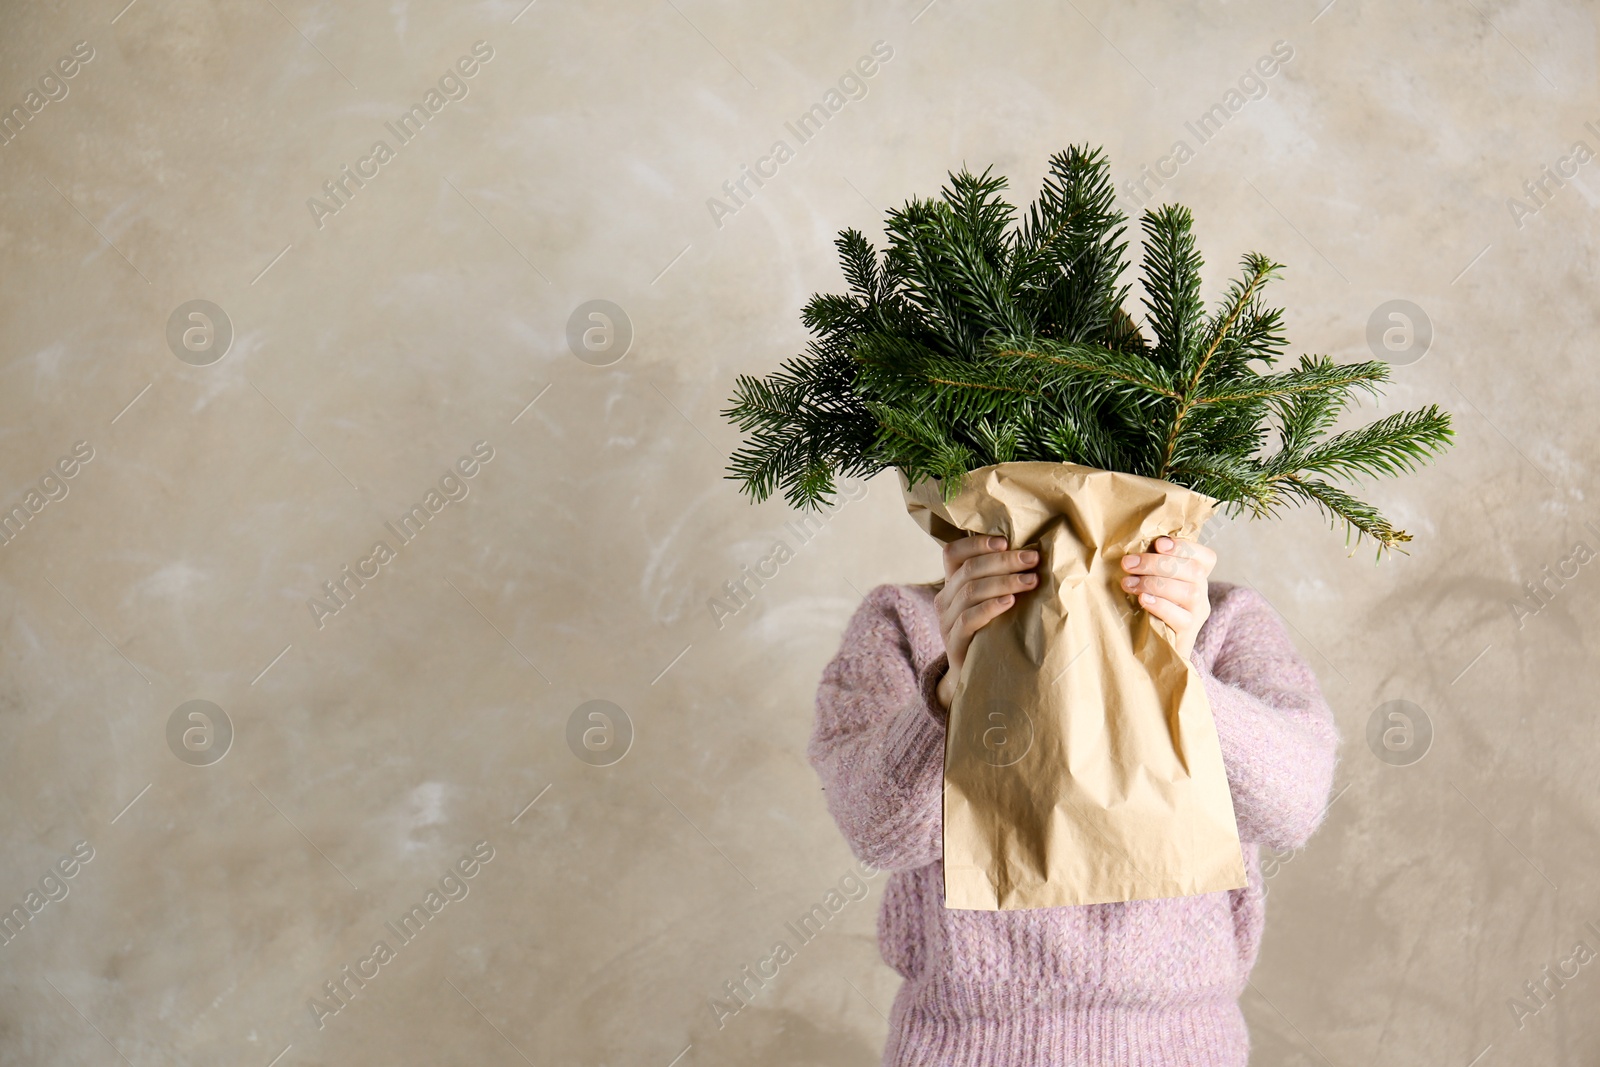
(1146, 983)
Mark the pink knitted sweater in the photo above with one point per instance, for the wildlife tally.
(1149, 983)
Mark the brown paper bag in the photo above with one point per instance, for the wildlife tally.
(1081, 763)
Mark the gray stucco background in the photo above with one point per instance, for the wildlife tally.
(376, 346)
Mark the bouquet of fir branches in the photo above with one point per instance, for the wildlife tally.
(971, 341)
(992, 362)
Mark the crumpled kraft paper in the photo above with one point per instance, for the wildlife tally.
(1081, 761)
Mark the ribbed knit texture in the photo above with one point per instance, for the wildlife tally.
(1148, 983)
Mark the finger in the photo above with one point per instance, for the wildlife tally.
(957, 594)
(969, 594)
(1185, 548)
(1185, 594)
(962, 549)
(990, 563)
(981, 589)
(974, 619)
(1174, 615)
(1170, 566)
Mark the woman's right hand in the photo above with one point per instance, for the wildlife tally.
(981, 580)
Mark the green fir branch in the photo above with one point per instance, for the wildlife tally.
(981, 336)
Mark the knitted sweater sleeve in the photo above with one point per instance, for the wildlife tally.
(1278, 736)
(878, 741)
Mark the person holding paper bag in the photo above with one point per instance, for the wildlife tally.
(1141, 982)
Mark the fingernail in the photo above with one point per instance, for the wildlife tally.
(1030, 557)
(1130, 582)
(1130, 561)
(997, 542)
(1028, 579)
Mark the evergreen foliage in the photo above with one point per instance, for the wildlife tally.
(978, 338)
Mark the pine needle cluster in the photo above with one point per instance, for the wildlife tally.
(977, 337)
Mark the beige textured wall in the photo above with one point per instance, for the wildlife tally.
(372, 348)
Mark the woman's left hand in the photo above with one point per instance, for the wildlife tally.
(1171, 584)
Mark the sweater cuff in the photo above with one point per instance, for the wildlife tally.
(915, 741)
